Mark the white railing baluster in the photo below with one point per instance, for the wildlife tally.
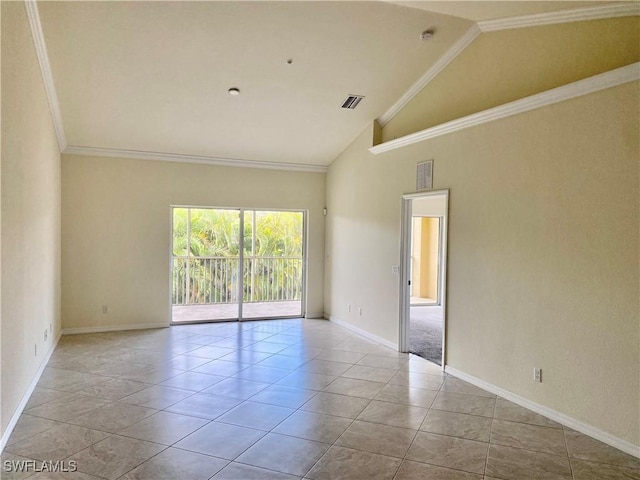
(210, 280)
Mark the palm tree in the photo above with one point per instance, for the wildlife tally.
(206, 247)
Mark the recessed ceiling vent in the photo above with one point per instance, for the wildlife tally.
(352, 101)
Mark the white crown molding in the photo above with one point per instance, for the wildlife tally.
(562, 16)
(593, 84)
(561, 418)
(455, 50)
(45, 69)
(199, 159)
(364, 333)
(27, 395)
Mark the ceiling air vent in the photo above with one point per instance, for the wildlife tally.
(352, 101)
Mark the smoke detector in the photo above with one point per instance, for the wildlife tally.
(427, 35)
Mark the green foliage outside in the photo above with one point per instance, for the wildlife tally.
(205, 264)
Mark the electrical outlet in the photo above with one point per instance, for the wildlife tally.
(360, 311)
(349, 308)
(537, 374)
(395, 269)
(105, 309)
(46, 334)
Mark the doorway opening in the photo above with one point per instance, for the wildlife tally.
(425, 259)
(422, 302)
(236, 264)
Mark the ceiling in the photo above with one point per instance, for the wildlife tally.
(480, 10)
(154, 76)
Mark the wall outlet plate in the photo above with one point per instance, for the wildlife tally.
(537, 374)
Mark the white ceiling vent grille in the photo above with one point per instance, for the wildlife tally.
(424, 175)
(352, 101)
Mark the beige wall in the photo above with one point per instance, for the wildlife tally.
(362, 239)
(429, 266)
(424, 278)
(2, 427)
(416, 257)
(499, 67)
(30, 213)
(543, 251)
(431, 206)
(117, 225)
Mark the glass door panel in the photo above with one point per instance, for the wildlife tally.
(273, 264)
(227, 269)
(206, 264)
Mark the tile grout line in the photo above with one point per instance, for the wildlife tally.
(166, 447)
(566, 445)
(493, 418)
(324, 347)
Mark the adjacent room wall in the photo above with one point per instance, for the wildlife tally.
(416, 257)
(2, 427)
(543, 251)
(430, 206)
(30, 231)
(117, 230)
(424, 257)
(429, 266)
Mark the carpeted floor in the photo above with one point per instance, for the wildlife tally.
(426, 332)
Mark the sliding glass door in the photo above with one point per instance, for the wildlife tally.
(219, 274)
(273, 264)
(205, 263)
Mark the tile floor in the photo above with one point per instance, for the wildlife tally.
(282, 399)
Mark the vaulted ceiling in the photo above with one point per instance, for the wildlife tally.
(154, 76)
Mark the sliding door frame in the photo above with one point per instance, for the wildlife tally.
(240, 285)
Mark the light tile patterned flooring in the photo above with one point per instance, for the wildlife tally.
(283, 399)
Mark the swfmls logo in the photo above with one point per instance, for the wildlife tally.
(33, 466)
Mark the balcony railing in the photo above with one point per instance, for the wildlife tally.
(214, 280)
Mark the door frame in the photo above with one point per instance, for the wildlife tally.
(305, 239)
(406, 238)
(241, 211)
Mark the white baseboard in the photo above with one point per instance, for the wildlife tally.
(314, 315)
(363, 333)
(565, 420)
(27, 395)
(112, 328)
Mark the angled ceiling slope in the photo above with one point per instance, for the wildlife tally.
(151, 79)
